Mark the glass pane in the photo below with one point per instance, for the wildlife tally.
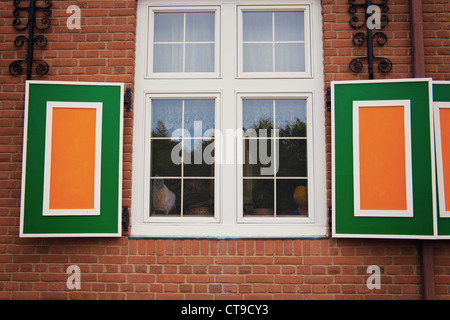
(258, 57)
(166, 117)
(199, 117)
(163, 163)
(199, 58)
(165, 197)
(292, 197)
(259, 197)
(200, 26)
(257, 115)
(290, 57)
(198, 158)
(169, 27)
(198, 197)
(259, 157)
(291, 117)
(257, 26)
(292, 158)
(168, 58)
(289, 26)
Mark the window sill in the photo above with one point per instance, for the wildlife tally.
(232, 231)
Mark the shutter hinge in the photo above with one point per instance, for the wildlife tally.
(125, 218)
(328, 97)
(127, 100)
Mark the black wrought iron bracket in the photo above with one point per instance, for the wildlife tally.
(374, 20)
(32, 23)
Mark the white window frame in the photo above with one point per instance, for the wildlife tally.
(150, 36)
(228, 88)
(310, 160)
(307, 42)
(217, 173)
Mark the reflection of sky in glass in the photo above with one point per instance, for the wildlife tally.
(255, 112)
(200, 111)
(166, 114)
(288, 112)
(198, 117)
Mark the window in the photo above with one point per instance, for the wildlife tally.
(183, 42)
(275, 149)
(228, 135)
(181, 152)
(274, 42)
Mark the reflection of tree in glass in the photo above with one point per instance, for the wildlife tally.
(292, 158)
(296, 128)
(264, 123)
(199, 159)
(293, 129)
(162, 164)
(292, 163)
(160, 130)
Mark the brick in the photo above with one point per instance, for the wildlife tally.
(103, 50)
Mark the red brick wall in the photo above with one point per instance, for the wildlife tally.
(436, 17)
(103, 50)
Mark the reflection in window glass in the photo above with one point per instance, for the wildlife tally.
(291, 117)
(199, 117)
(182, 157)
(198, 158)
(257, 114)
(166, 117)
(184, 42)
(275, 167)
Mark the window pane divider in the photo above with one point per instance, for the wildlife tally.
(261, 41)
(186, 42)
(270, 137)
(275, 177)
(182, 144)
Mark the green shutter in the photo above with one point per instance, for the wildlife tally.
(346, 223)
(35, 219)
(441, 98)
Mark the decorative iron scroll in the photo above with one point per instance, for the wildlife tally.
(374, 19)
(32, 23)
